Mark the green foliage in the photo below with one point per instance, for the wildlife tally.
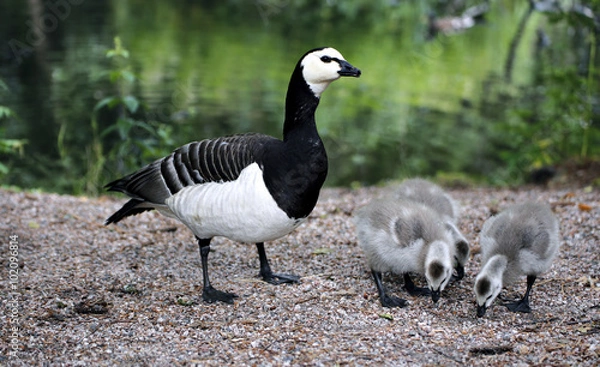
(8, 146)
(433, 108)
(129, 139)
(556, 118)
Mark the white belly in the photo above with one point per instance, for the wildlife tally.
(241, 210)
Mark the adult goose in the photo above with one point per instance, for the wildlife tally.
(251, 187)
(521, 240)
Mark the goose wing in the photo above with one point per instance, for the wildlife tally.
(211, 160)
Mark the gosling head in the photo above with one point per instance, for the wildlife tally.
(488, 283)
(322, 66)
(438, 268)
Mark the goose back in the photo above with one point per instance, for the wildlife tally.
(395, 234)
(429, 194)
(527, 234)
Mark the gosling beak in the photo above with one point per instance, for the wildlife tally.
(435, 295)
(347, 69)
(481, 310)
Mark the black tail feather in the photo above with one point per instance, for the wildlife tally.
(130, 208)
(119, 185)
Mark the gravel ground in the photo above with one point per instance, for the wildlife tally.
(129, 294)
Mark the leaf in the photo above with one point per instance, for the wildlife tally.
(3, 169)
(131, 102)
(584, 329)
(123, 126)
(128, 76)
(108, 130)
(386, 316)
(114, 75)
(119, 50)
(322, 251)
(130, 289)
(584, 207)
(5, 112)
(108, 101)
(145, 126)
(184, 301)
(112, 53)
(12, 145)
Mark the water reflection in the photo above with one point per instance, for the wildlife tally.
(213, 68)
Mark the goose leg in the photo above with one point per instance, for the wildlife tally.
(386, 301)
(460, 273)
(412, 289)
(523, 304)
(265, 269)
(209, 294)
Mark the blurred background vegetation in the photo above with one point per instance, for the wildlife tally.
(91, 90)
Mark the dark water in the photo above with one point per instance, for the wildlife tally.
(207, 68)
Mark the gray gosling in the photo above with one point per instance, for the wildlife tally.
(402, 236)
(521, 240)
(433, 196)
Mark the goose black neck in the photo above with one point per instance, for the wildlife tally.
(294, 172)
(300, 106)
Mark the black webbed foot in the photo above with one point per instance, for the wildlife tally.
(386, 300)
(412, 289)
(268, 275)
(211, 295)
(391, 301)
(274, 278)
(419, 291)
(519, 306)
(523, 304)
(460, 273)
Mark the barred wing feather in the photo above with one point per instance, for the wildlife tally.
(211, 160)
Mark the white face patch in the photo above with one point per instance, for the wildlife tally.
(488, 282)
(487, 289)
(319, 69)
(438, 266)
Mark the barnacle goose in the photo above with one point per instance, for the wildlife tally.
(521, 240)
(250, 187)
(403, 236)
(433, 196)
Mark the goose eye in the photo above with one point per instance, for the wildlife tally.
(326, 59)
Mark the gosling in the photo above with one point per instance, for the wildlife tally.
(433, 196)
(522, 240)
(402, 236)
